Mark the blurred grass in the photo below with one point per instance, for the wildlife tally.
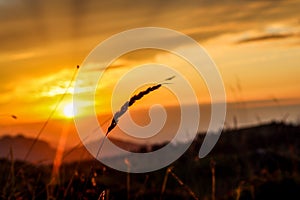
(253, 163)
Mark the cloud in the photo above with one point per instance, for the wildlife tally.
(42, 24)
(265, 37)
(276, 31)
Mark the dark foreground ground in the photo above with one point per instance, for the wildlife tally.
(261, 162)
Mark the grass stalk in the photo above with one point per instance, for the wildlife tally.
(50, 115)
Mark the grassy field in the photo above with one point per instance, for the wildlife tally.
(252, 163)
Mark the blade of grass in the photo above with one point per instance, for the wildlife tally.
(180, 182)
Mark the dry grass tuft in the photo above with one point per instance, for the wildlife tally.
(129, 103)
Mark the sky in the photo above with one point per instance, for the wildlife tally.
(254, 44)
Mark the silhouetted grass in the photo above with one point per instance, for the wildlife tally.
(129, 103)
(260, 162)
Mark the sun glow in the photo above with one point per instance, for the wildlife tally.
(69, 110)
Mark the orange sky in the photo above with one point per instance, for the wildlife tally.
(255, 45)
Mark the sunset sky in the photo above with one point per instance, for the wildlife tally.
(255, 45)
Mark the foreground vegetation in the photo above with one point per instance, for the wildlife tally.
(253, 163)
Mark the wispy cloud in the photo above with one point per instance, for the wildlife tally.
(266, 37)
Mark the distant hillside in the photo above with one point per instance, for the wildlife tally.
(43, 153)
(278, 137)
(261, 138)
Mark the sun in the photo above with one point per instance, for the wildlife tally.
(69, 110)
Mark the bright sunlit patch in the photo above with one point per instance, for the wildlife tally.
(69, 110)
